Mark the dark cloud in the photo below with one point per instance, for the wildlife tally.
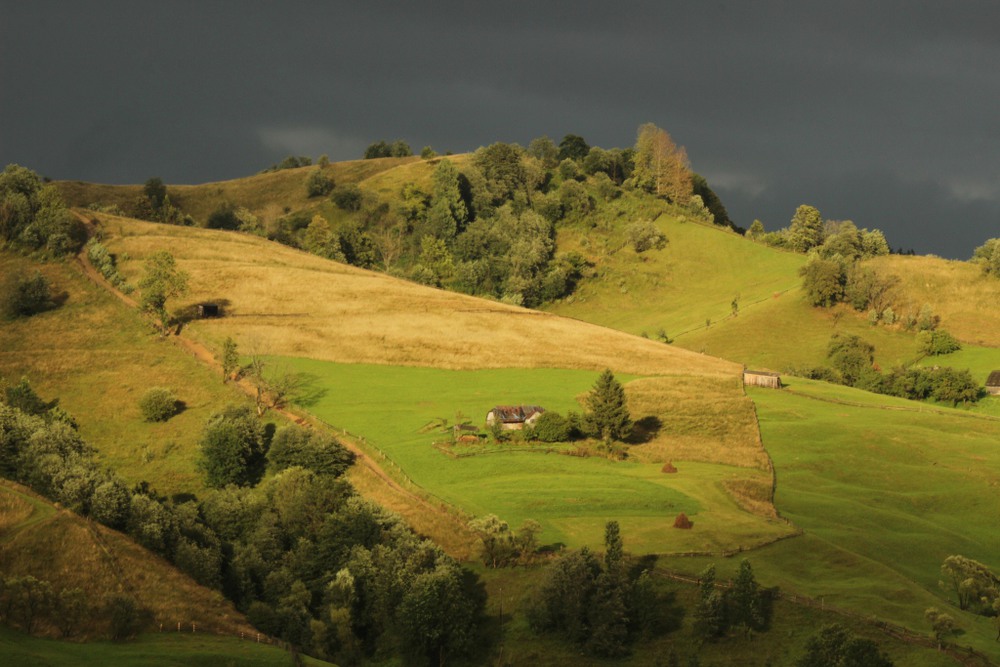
(882, 114)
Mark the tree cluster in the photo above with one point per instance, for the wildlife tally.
(987, 256)
(835, 646)
(501, 546)
(976, 587)
(489, 228)
(603, 607)
(382, 148)
(307, 559)
(290, 162)
(33, 216)
(852, 361)
(154, 205)
(105, 262)
(743, 606)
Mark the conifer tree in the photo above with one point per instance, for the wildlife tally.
(608, 417)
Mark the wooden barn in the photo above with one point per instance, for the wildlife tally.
(993, 384)
(514, 417)
(762, 379)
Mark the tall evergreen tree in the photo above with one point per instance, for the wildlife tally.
(806, 229)
(608, 417)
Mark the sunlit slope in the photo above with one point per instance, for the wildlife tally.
(291, 303)
(967, 301)
(694, 279)
(55, 545)
(885, 490)
(98, 357)
(266, 195)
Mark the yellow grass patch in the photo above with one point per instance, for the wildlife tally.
(967, 300)
(719, 428)
(292, 303)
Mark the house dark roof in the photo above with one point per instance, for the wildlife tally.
(515, 414)
(994, 379)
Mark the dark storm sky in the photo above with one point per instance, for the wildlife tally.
(888, 115)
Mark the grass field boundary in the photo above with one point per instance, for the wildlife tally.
(964, 655)
(894, 408)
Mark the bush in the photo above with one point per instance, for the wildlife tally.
(937, 342)
(824, 280)
(24, 296)
(347, 197)
(158, 404)
(551, 427)
(319, 185)
(319, 452)
(644, 236)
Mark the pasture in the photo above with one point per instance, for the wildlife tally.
(885, 489)
(399, 410)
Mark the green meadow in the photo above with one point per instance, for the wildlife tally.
(149, 650)
(399, 410)
(885, 489)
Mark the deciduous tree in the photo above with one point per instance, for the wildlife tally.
(660, 166)
(162, 281)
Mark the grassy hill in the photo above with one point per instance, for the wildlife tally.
(267, 195)
(55, 545)
(361, 338)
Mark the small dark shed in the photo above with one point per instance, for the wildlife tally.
(209, 310)
(993, 384)
(762, 379)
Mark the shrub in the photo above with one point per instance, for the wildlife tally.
(313, 450)
(937, 342)
(644, 235)
(552, 427)
(347, 197)
(318, 184)
(24, 296)
(158, 404)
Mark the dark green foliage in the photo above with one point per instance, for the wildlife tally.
(24, 398)
(504, 172)
(437, 616)
(230, 359)
(111, 504)
(607, 414)
(545, 151)
(551, 427)
(347, 197)
(318, 184)
(835, 646)
(938, 342)
(223, 217)
(824, 281)
(601, 609)
(155, 192)
(313, 450)
(158, 404)
(34, 217)
(711, 200)
(23, 295)
(233, 448)
(852, 357)
(573, 147)
(125, 616)
(397, 148)
(745, 601)
(290, 162)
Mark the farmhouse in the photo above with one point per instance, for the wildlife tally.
(514, 417)
(762, 379)
(993, 384)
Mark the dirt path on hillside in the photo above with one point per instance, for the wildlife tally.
(423, 515)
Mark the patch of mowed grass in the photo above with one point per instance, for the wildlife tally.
(694, 278)
(146, 650)
(884, 495)
(397, 409)
(98, 357)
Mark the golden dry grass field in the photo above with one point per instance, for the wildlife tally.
(290, 303)
(967, 301)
